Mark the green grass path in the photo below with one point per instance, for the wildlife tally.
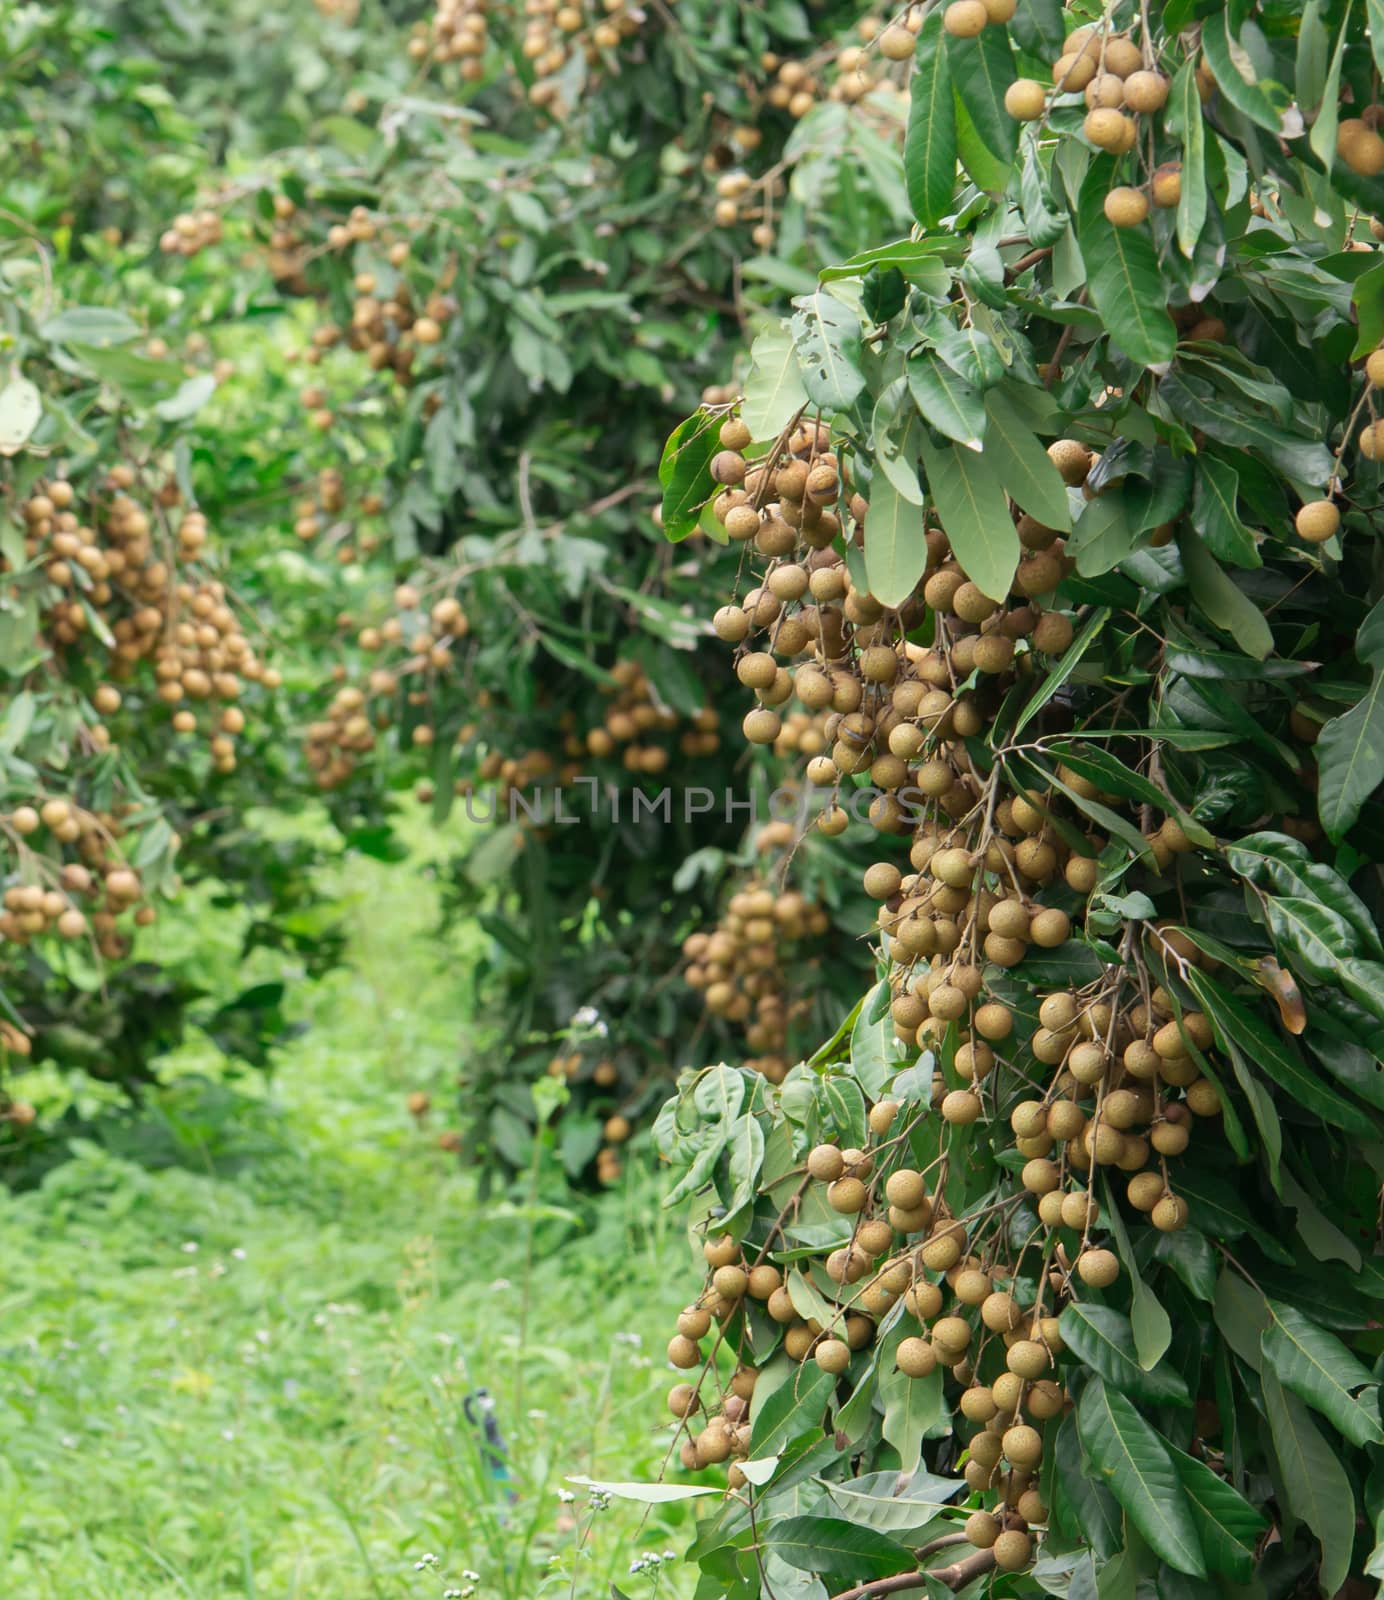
(241, 1372)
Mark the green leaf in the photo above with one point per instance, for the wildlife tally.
(1276, 1057)
(1306, 460)
(842, 1552)
(1315, 1484)
(1184, 118)
(945, 400)
(774, 392)
(1133, 1461)
(1188, 1253)
(872, 1039)
(1215, 517)
(793, 1410)
(1122, 273)
(191, 395)
(929, 152)
(21, 406)
(828, 340)
(895, 549)
(1350, 758)
(684, 472)
(1242, 1317)
(1318, 1368)
(1062, 669)
(1324, 129)
(1028, 476)
(1104, 535)
(975, 515)
(1286, 864)
(1227, 1524)
(93, 325)
(1104, 1339)
(1227, 606)
(1235, 73)
(1083, 1508)
(1149, 1322)
(912, 1406)
(982, 70)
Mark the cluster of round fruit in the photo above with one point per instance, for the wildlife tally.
(111, 579)
(892, 708)
(357, 712)
(457, 31)
(386, 327)
(287, 247)
(1119, 81)
(557, 28)
(101, 878)
(741, 967)
(632, 714)
(191, 232)
(323, 512)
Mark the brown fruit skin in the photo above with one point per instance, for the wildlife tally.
(832, 1355)
(825, 1163)
(1317, 521)
(1106, 128)
(1025, 100)
(1013, 1550)
(1099, 1268)
(1374, 371)
(1126, 207)
(1146, 91)
(964, 19)
(915, 1358)
(1166, 187)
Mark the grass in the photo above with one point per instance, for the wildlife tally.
(239, 1369)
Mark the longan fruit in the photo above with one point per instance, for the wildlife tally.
(832, 1355)
(1374, 368)
(848, 1196)
(1027, 1359)
(964, 19)
(684, 1352)
(915, 1357)
(1013, 1550)
(897, 43)
(1318, 520)
(882, 880)
(1023, 1446)
(1099, 1268)
(1126, 207)
(694, 1323)
(982, 1529)
(825, 1163)
(1145, 91)
(1170, 1213)
(993, 1021)
(1025, 100)
(1166, 185)
(1105, 128)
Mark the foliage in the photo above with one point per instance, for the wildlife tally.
(1054, 1269)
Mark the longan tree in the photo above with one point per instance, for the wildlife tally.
(1057, 1268)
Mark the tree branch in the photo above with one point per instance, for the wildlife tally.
(956, 1576)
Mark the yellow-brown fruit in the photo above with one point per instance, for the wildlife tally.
(915, 1358)
(882, 880)
(1025, 99)
(1374, 368)
(1027, 1358)
(1023, 1446)
(1106, 128)
(1072, 459)
(1099, 1268)
(1013, 1550)
(832, 1355)
(826, 1163)
(1371, 440)
(982, 1529)
(964, 19)
(1169, 1214)
(1166, 185)
(1360, 147)
(1317, 521)
(848, 1196)
(896, 43)
(1145, 91)
(1126, 207)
